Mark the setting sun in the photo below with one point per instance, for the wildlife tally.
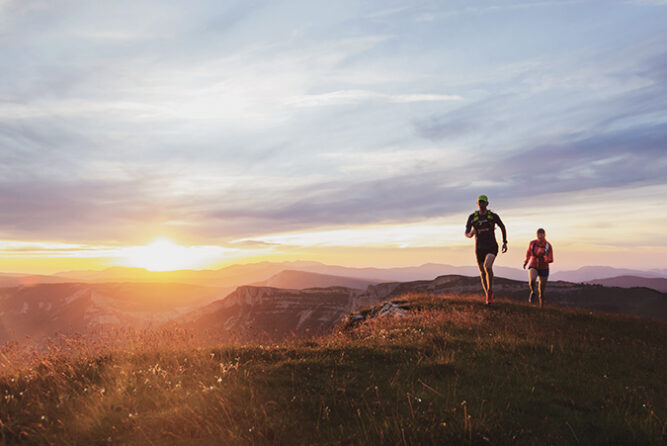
(164, 255)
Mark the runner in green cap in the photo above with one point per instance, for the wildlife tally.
(481, 225)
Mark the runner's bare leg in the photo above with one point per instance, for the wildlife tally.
(488, 267)
(482, 275)
(532, 276)
(543, 286)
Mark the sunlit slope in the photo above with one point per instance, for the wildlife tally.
(449, 370)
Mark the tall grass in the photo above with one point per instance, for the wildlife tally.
(450, 371)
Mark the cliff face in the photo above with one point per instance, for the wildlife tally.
(44, 310)
(273, 313)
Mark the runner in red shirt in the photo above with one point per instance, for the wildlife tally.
(538, 257)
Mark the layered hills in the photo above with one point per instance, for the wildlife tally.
(656, 283)
(299, 304)
(230, 277)
(259, 312)
(244, 274)
(292, 279)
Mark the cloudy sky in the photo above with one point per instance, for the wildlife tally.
(349, 132)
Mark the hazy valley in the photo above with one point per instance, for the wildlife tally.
(276, 304)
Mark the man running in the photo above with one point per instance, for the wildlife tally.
(540, 253)
(482, 224)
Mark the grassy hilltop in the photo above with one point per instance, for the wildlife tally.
(451, 371)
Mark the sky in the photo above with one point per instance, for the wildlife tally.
(353, 133)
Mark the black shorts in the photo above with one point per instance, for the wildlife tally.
(542, 272)
(482, 253)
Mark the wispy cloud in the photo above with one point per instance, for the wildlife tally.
(345, 97)
(493, 8)
(647, 2)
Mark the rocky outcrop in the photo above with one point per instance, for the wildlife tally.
(388, 309)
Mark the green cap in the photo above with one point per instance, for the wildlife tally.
(483, 198)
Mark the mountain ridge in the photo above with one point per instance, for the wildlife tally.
(241, 274)
(34, 310)
(295, 279)
(279, 308)
(656, 283)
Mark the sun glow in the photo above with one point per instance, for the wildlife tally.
(164, 255)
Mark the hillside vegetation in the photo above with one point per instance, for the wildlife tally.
(449, 371)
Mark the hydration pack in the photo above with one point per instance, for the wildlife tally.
(489, 216)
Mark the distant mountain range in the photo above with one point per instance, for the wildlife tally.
(265, 311)
(237, 275)
(11, 280)
(659, 284)
(292, 297)
(300, 280)
(588, 273)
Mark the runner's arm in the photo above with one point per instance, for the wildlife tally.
(504, 231)
(468, 227)
(529, 254)
(502, 228)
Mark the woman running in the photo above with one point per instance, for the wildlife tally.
(538, 257)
